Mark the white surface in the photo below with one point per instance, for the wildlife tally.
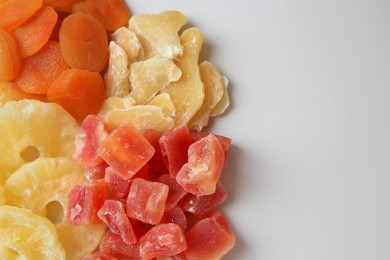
(309, 173)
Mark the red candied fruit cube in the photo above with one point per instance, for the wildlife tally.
(201, 206)
(91, 134)
(98, 256)
(95, 172)
(176, 192)
(205, 163)
(126, 150)
(156, 162)
(210, 238)
(119, 187)
(180, 256)
(174, 146)
(177, 216)
(114, 215)
(113, 245)
(146, 201)
(163, 239)
(84, 201)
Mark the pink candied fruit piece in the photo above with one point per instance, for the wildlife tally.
(113, 245)
(91, 134)
(114, 215)
(146, 201)
(95, 172)
(126, 150)
(174, 146)
(177, 216)
(118, 187)
(201, 173)
(98, 256)
(156, 162)
(176, 192)
(201, 206)
(162, 240)
(180, 256)
(84, 201)
(210, 238)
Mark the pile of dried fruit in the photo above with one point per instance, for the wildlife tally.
(101, 116)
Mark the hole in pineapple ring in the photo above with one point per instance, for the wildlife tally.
(30, 153)
(8, 253)
(55, 212)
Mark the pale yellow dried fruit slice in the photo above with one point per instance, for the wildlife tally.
(158, 33)
(129, 41)
(31, 129)
(213, 91)
(39, 184)
(188, 92)
(141, 117)
(27, 235)
(117, 76)
(114, 103)
(5, 92)
(1, 195)
(224, 103)
(164, 101)
(148, 77)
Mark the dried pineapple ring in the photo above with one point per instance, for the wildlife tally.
(128, 40)
(31, 129)
(35, 185)
(213, 90)
(164, 101)
(150, 76)
(188, 92)
(27, 235)
(158, 33)
(5, 92)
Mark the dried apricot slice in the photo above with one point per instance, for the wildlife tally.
(5, 92)
(16, 12)
(9, 57)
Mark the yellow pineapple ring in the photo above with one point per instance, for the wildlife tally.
(32, 129)
(25, 235)
(40, 186)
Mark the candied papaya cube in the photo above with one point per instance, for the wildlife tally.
(95, 172)
(84, 201)
(146, 201)
(210, 238)
(201, 206)
(201, 173)
(91, 134)
(126, 150)
(177, 216)
(113, 245)
(180, 256)
(156, 162)
(174, 149)
(118, 187)
(114, 215)
(163, 239)
(176, 192)
(98, 256)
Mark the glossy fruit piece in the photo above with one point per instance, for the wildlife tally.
(118, 187)
(113, 214)
(95, 172)
(162, 239)
(88, 140)
(41, 69)
(201, 245)
(84, 42)
(84, 201)
(5, 92)
(60, 3)
(177, 216)
(80, 92)
(201, 206)
(174, 149)
(113, 245)
(156, 162)
(113, 14)
(180, 256)
(126, 150)
(18, 94)
(176, 192)
(146, 201)
(9, 57)
(33, 34)
(99, 256)
(15, 12)
(205, 163)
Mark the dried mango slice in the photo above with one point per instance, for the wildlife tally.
(164, 101)
(158, 33)
(113, 103)
(25, 235)
(32, 129)
(150, 76)
(46, 180)
(117, 76)
(5, 92)
(213, 90)
(129, 41)
(188, 92)
(223, 104)
(141, 117)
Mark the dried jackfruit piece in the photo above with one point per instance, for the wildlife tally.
(164, 101)
(129, 41)
(223, 104)
(113, 103)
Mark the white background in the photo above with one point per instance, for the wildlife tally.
(309, 171)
